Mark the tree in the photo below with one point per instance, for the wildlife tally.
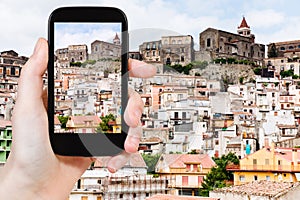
(63, 120)
(218, 175)
(287, 73)
(104, 126)
(151, 161)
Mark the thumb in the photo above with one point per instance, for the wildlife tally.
(30, 89)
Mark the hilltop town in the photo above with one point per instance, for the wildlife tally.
(230, 96)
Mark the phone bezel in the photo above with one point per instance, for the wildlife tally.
(87, 145)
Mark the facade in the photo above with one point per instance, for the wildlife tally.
(130, 182)
(106, 50)
(169, 50)
(71, 54)
(185, 171)
(225, 44)
(262, 190)
(5, 140)
(270, 163)
(175, 197)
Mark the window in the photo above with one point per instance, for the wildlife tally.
(153, 53)
(153, 46)
(267, 161)
(208, 42)
(183, 115)
(147, 54)
(242, 178)
(254, 161)
(148, 46)
(282, 48)
(255, 177)
(268, 178)
(173, 41)
(182, 58)
(134, 195)
(84, 197)
(185, 180)
(147, 194)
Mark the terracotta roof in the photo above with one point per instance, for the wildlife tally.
(180, 160)
(56, 120)
(260, 188)
(116, 37)
(80, 120)
(136, 160)
(152, 140)
(244, 24)
(4, 123)
(175, 197)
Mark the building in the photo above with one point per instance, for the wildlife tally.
(5, 140)
(169, 50)
(83, 124)
(224, 44)
(262, 190)
(65, 57)
(130, 182)
(185, 171)
(175, 197)
(106, 50)
(269, 163)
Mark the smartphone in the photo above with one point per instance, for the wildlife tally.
(87, 80)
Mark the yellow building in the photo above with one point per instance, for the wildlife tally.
(185, 172)
(269, 163)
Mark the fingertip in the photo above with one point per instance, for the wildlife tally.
(132, 144)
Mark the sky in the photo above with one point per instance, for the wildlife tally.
(84, 33)
(23, 22)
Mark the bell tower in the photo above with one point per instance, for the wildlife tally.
(244, 29)
(116, 40)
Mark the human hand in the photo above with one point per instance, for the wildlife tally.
(33, 170)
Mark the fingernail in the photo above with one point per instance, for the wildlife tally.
(112, 170)
(37, 46)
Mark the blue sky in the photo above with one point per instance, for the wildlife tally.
(84, 33)
(22, 22)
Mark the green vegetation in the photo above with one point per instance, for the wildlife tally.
(233, 61)
(241, 80)
(187, 68)
(76, 64)
(218, 176)
(104, 126)
(63, 120)
(257, 70)
(88, 62)
(151, 161)
(287, 73)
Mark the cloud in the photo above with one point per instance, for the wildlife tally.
(264, 19)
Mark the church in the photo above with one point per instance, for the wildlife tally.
(240, 45)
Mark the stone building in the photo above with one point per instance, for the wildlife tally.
(242, 46)
(101, 49)
(71, 54)
(151, 51)
(284, 49)
(169, 50)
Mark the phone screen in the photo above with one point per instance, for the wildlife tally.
(87, 77)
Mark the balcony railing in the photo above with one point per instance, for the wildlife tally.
(264, 168)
